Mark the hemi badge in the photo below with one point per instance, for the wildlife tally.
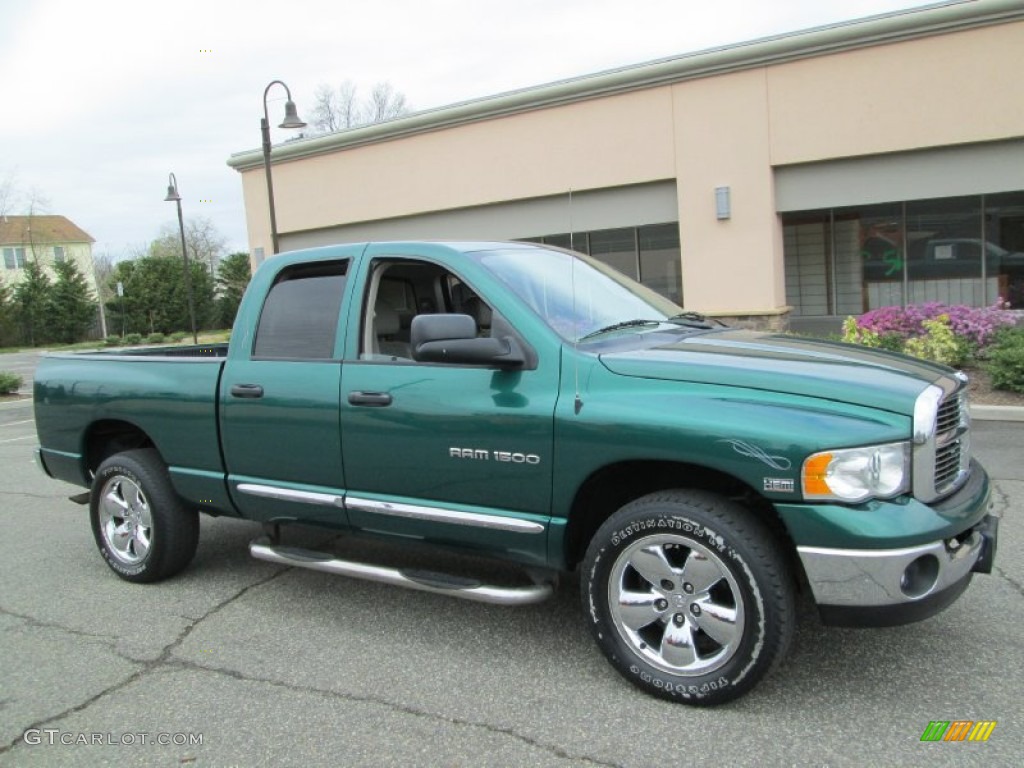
(779, 485)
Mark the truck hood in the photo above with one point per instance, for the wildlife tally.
(778, 363)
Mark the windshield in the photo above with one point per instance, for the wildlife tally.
(545, 279)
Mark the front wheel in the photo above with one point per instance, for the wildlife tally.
(688, 596)
(142, 528)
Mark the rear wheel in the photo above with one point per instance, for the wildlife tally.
(688, 596)
(142, 528)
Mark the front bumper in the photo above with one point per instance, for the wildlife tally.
(883, 587)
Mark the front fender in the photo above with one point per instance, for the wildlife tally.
(759, 438)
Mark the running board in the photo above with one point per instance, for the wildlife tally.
(425, 581)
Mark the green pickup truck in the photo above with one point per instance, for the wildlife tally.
(526, 403)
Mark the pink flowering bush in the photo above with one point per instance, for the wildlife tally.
(934, 331)
(976, 326)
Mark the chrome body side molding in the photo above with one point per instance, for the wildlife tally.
(439, 515)
(496, 521)
(288, 494)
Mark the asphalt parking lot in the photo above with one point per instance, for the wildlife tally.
(275, 666)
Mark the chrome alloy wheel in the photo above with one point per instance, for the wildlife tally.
(125, 520)
(676, 604)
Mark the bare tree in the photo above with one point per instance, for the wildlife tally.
(9, 193)
(340, 108)
(204, 242)
(36, 204)
(385, 103)
(336, 109)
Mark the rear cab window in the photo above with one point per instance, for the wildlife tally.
(299, 320)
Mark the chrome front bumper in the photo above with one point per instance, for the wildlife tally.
(896, 586)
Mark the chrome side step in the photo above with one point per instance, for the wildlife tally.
(425, 581)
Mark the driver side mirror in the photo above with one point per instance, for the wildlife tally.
(453, 339)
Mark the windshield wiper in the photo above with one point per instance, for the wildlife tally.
(693, 320)
(622, 324)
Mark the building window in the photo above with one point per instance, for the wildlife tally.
(58, 254)
(648, 254)
(958, 250)
(660, 263)
(14, 258)
(1003, 227)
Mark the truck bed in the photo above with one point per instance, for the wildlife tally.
(170, 392)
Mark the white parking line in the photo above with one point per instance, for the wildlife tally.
(12, 423)
(23, 403)
(23, 437)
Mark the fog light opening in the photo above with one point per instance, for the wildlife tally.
(920, 576)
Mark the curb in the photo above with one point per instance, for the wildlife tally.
(997, 413)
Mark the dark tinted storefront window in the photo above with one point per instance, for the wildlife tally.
(960, 250)
(660, 264)
(617, 249)
(944, 251)
(649, 254)
(1004, 241)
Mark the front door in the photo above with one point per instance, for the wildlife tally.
(448, 453)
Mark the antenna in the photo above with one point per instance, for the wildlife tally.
(575, 316)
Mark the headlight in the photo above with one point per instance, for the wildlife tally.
(857, 474)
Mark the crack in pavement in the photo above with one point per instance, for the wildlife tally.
(53, 497)
(32, 621)
(394, 706)
(1013, 582)
(145, 667)
(166, 661)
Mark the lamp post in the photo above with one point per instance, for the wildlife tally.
(291, 120)
(172, 195)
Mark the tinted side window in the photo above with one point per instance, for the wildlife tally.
(300, 315)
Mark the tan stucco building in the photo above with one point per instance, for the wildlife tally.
(809, 175)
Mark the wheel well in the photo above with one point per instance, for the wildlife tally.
(105, 438)
(612, 487)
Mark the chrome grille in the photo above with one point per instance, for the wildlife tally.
(949, 416)
(942, 442)
(947, 465)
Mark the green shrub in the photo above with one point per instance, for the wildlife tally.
(1006, 360)
(112, 341)
(155, 338)
(939, 344)
(938, 341)
(178, 336)
(133, 338)
(9, 383)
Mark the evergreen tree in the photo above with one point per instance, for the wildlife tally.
(8, 317)
(32, 299)
(155, 298)
(73, 305)
(232, 278)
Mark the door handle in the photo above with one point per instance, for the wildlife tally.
(246, 390)
(372, 399)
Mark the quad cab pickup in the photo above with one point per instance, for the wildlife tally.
(529, 404)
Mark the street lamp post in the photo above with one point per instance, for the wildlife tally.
(172, 195)
(291, 120)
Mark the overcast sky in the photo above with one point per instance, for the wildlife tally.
(102, 99)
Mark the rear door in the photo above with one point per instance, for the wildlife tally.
(279, 401)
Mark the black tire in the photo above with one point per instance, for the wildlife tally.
(142, 528)
(722, 612)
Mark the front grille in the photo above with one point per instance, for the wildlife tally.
(947, 466)
(951, 444)
(942, 454)
(949, 416)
